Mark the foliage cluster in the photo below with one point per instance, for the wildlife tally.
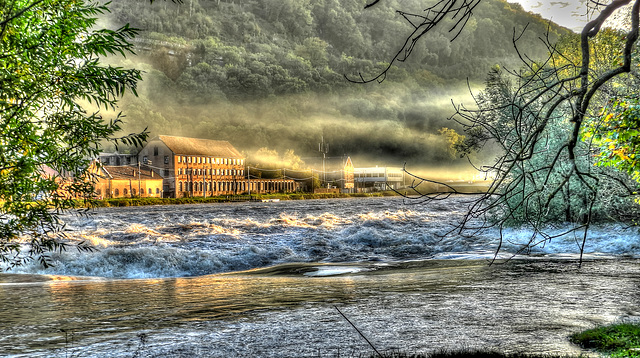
(121, 202)
(617, 340)
(312, 43)
(49, 72)
(466, 353)
(617, 134)
(541, 188)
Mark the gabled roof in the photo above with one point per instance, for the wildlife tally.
(197, 146)
(129, 172)
(348, 164)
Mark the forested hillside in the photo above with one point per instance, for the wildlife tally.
(270, 73)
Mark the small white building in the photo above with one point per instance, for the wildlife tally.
(378, 178)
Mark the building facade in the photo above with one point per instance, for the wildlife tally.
(378, 178)
(348, 175)
(127, 182)
(118, 159)
(340, 176)
(195, 167)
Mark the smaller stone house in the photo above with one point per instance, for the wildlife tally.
(128, 182)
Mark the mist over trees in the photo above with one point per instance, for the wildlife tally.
(271, 74)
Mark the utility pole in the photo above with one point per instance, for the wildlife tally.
(248, 179)
(139, 184)
(324, 149)
(189, 179)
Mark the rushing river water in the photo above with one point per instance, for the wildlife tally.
(267, 280)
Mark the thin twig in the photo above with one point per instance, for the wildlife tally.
(357, 330)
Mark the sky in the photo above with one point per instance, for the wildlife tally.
(570, 14)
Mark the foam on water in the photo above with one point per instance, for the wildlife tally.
(177, 241)
(330, 270)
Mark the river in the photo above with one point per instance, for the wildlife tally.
(268, 279)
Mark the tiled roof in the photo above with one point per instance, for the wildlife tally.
(197, 146)
(130, 172)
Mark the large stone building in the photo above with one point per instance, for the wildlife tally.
(195, 167)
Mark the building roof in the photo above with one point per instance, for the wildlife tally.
(198, 146)
(129, 172)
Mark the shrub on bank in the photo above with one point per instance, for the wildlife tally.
(618, 340)
(137, 201)
(468, 353)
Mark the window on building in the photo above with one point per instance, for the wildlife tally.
(98, 192)
(150, 192)
(217, 160)
(166, 173)
(225, 161)
(117, 192)
(125, 191)
(179, 159)
(166, 159)
(145, 159)
(188, 159)
(133, 192)
(199, 160)
(180, 186)
(155, 151)
(157, 190)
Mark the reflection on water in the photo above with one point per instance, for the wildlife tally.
(418, 306)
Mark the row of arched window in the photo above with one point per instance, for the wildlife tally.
(200, 172)
(225, 186)
(134, 192)
(211, 186)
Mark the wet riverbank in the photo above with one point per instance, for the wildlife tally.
(521, 306)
